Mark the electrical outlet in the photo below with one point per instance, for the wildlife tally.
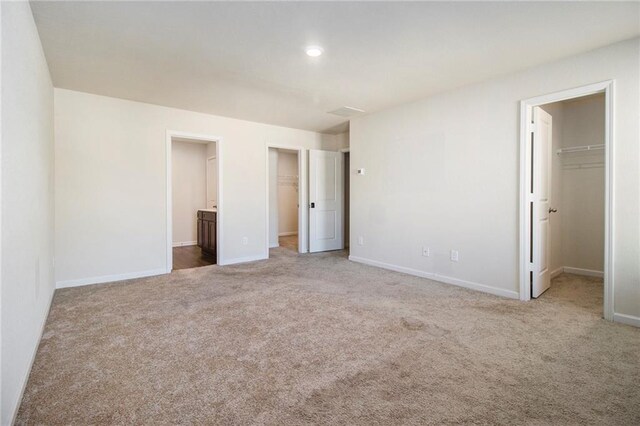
(245, 241)
(454, 255)
(426, 251)
(360, 240)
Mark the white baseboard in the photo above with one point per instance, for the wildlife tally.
(627, 319)
(274, 245)
(511, 294)
(440, 278)
(109, 278)
(288, 233)
(557, 272)
(391, 267)
(185, 243)
(32, 360)
(244, 259)
(581, 271)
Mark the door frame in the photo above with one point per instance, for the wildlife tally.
(207, 183)
(196, 138)
(303, 212)
(526, 109)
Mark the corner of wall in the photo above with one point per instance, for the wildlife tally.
(27, 292)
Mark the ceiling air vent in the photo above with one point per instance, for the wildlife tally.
(346, 111)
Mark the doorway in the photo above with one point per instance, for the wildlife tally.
(566, 194)
(284, 199)
(194, 195)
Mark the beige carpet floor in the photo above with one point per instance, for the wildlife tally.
(316, 339)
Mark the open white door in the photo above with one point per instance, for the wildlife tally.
(212, 177)
(541, 147)
(325, 197)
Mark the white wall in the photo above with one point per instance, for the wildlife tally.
(287, 193)
(189, 189)
(111, 184)
(341, 141)
(273, 197)
(583, 185)
(578, 184)
(443, 172)
(27, 200)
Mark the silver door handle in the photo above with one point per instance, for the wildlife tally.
(553, 210)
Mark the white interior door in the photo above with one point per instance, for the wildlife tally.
(325, 201)
(541, 179)
(212, 182)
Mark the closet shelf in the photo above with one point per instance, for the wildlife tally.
(580, 149)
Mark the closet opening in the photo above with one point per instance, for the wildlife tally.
(284, 199)
(565, 199)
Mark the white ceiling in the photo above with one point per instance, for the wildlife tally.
(247, 60)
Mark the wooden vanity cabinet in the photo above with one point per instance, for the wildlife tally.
(207, 233)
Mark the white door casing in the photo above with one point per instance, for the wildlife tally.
(525, 246)
(325, 201)
(541, 194)
(212, 174)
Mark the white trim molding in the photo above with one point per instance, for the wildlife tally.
(511, 294)
(582, 271)
(109, 278)
(185, 243)
(245, 259)
(526, 108)
(557, 272)
(287, 234)
(627, 319)
(576, 271)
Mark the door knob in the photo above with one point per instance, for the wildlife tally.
(553, 210)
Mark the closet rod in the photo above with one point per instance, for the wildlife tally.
(580, 149)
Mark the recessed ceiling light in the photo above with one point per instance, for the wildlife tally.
(314, 51)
